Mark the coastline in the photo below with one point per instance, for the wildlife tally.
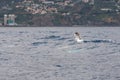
(64, 26)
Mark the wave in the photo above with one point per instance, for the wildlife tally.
(2, 32)
(38, 43)
(53, 31)
(53, 37)
(99, 41)
(23, 32)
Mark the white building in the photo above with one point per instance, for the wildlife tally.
(9, 19)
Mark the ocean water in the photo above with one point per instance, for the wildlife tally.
(51, 53)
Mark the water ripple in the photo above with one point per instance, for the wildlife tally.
(99, 41)
(38, 43)
(52, 37)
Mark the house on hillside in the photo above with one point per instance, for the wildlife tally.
(9, 19)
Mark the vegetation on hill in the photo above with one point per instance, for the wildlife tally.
(101, 13)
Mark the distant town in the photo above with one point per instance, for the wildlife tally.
(59, 12)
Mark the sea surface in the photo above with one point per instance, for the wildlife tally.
(51, 53)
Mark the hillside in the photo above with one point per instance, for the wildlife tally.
(62, 12)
